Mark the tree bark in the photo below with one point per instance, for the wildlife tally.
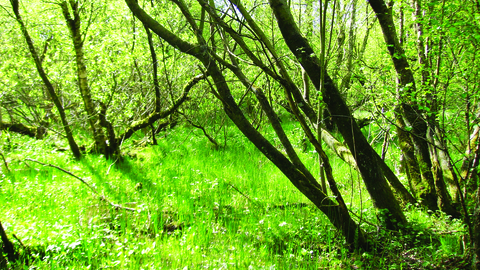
(408, 150)
(351, 44)
(449, 174)
(153, 54)
(471, 154)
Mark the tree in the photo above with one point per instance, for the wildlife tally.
(293, 168)
(74, 25)
(73, 145)
(260, 63)
(373, 177)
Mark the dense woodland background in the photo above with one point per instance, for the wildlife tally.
(366, 112)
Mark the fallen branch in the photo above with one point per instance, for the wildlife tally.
(116, 206)
(210, 138)
(241, 193)
(153, 117)
(361, 219)
(19, 128)
(262, 205)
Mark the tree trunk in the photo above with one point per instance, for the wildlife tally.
(365, 155)
(444, 201)
(93, 117)
(51, 91)
(7, 246)
(471, 154)
(19, 128)
(412, 114)
(153, 54)
(449, 174)
(351, 44)
(338, 215)
(413, 170)
(344, 153)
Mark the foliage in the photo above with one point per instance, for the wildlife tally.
(225, 204)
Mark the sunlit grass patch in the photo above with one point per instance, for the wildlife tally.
(197, 207)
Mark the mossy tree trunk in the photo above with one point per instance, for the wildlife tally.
(408, 150)
(74, 25)
(471, 161)
(365, 155)
(410, 110)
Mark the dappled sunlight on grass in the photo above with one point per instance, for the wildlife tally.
(196, 207)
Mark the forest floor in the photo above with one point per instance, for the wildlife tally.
(195, 206)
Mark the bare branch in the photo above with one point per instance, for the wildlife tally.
(116, 206)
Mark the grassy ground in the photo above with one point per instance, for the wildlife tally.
(196, 207)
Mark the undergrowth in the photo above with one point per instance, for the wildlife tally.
(196, 207)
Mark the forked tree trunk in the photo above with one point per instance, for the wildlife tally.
(338, 215)
(73, 23)
(411, 112)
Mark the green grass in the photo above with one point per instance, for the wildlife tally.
(197, 207)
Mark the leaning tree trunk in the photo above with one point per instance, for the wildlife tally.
(336, 213)
(311, 189)
(51, 91)
(365, 155)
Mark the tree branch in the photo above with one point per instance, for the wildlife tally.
(116, 206)
(152, 118)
